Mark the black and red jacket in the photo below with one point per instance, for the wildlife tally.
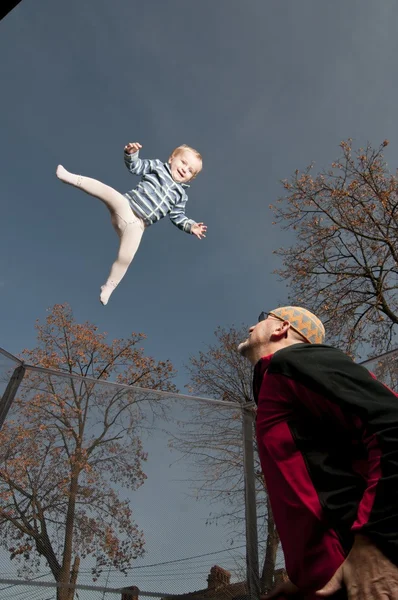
(327, 435)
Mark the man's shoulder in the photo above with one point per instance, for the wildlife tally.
(333, 374)
(304, 351)
(308, 358)
(324, 369)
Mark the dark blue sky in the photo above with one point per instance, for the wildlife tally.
(260, 88)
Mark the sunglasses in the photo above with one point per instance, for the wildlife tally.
(263, 315)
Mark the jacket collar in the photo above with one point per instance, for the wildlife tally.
(258, 373)
(183, 185)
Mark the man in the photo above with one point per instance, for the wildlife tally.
(327, 434)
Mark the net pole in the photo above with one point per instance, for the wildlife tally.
(252, 566)
(10, 392)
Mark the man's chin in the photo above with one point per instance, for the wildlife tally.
(243, 347)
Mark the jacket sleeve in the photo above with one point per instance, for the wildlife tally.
(178, 218)
(138, 166)
(372, 410)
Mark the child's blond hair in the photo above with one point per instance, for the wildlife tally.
(186, 147)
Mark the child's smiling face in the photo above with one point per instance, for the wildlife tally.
(184, 166)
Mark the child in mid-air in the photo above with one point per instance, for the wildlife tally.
(161, 191)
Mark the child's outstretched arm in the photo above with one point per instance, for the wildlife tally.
(180, 220)
(136, 165)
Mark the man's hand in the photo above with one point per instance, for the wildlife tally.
(366, 574)
(132, 147)
(286, 588)
(199, 229)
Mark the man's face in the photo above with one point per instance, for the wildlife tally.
(259, 336)
(184, 166)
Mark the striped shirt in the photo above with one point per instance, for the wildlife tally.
(157, 194)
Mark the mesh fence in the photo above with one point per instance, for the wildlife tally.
(156, 482)
(146, 488)
(36, 590)
(385, 367)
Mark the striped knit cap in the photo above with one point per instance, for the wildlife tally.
(303, 322)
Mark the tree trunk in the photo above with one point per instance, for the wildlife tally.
(73, 577)
(69, 593)
(267, 575)
(68, 574)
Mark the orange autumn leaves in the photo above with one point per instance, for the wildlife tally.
(70, 446)
(342, 260)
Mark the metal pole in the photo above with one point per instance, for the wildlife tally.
(252, 568)
(11, 356)
(368, 360)
(134, 388)
(10, 392)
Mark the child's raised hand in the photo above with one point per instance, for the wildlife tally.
(132, 147)
(199, 229)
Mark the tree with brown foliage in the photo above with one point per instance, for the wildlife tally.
(343, 264)
(70, 447)
(213, 440)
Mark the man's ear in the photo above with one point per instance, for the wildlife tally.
(281, 330)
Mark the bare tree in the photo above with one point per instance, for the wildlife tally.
(65, 446)
(344, 262)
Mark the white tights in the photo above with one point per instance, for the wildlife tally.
(127, 225)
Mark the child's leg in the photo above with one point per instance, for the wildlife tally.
(115, 202)
(127, 225)
(130, 237)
